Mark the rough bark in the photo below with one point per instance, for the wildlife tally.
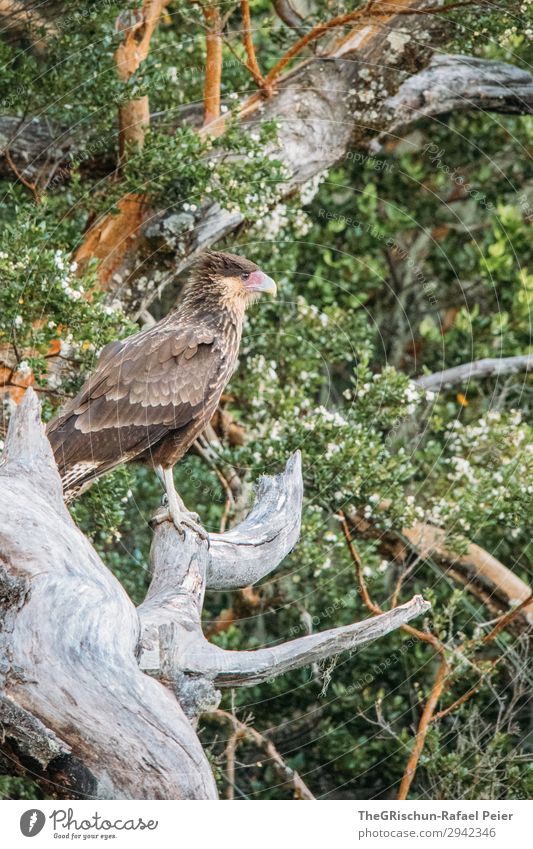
(459, 84)
(78, 710)
(110, 237)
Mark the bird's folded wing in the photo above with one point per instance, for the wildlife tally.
(161, 377)
(151, 380)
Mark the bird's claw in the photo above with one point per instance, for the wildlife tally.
(180, 520)
(190, 520)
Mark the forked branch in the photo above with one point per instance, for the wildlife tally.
(173, 646)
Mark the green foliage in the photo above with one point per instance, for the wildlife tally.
(408, 261)
(18, 788)
(186, 168)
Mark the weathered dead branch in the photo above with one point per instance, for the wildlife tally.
(76, 704)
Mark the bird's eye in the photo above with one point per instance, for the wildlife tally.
(245, 275)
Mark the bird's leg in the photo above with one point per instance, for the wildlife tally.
(161, 475)
(176, 508)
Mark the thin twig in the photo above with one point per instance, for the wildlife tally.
(507, 618)
(440, 679)
(240, 732)
(423, 727)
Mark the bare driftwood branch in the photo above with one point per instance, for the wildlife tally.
(489, 367)
(75, 708)
(257, 545)
(76, 705)
(137, 29)
(455, 83)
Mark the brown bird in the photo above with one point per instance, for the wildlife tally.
(153, 393)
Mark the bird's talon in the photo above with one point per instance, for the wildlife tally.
(190, 520)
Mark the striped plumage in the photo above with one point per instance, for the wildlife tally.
(153, 393)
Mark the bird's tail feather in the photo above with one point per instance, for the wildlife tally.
(77, 479)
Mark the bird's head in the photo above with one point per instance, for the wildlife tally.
(236, 281)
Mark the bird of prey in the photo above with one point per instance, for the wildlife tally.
(153, 393)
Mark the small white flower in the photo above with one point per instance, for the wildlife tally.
(24, 369)
(59, 262)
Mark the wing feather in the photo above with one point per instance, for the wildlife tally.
(159, 380)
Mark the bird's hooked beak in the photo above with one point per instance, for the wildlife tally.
(258, 281)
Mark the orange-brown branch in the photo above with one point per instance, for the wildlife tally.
(34, 189)
(242, 731)
(373, 9)
(111, 236)
(134, 116)
(213, 63)
(251, 63)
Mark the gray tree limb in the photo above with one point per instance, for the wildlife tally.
(76, 705)
(456, 83)
(449, 84)
(257, 545)
(289, 13)
(489, 367)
